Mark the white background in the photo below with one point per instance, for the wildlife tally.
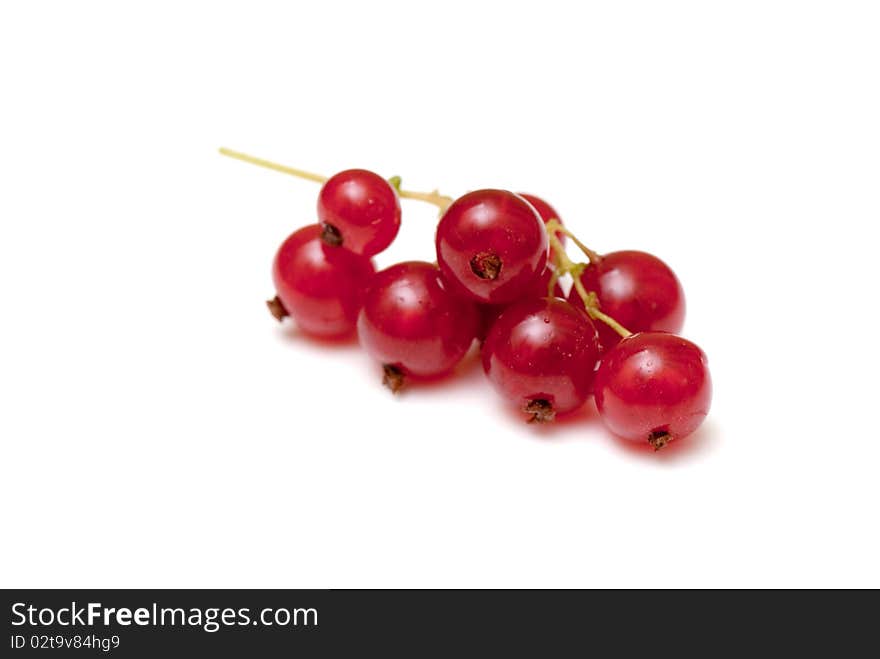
(159, 429)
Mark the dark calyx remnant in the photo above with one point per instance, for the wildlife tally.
(659, 438)
(393, 377)
(486, 265)
(541, 410)
(330, 235)
(276, 308)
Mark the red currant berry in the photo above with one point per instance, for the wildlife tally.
(491, 246)
(546, 213)
(541, 355)
(638, 290)
(490, 312)
(321, 287)
(653, 387)
(359, 210)
(413, 324)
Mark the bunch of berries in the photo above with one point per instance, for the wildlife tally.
(501, 262)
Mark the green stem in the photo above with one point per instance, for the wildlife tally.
(592, 308)
(557, 227)
(565, 265)
(433, 197)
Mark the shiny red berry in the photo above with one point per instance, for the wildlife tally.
(541, 355)
(638, 290)
(491, 246)
(359, 210)
(490, 312)
(319, 286)
(653, 388)
(413, 324)
(547, 213)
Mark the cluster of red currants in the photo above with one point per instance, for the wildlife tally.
(501, 261)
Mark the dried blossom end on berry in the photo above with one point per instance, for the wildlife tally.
(659, 439)
(276, 308)
(330, 235)
(486, 265)
(541, 410)
(392, 378)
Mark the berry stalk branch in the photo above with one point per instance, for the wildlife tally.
(564, 265)
(434, 197)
